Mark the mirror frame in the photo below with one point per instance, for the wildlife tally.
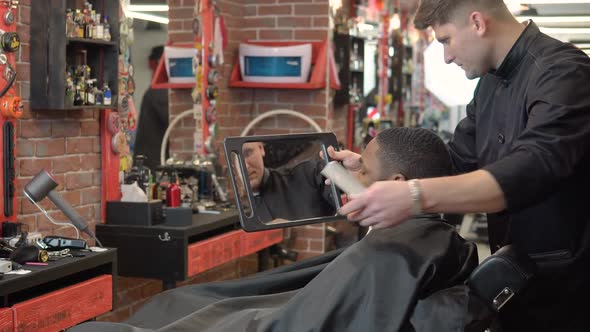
(253, 223)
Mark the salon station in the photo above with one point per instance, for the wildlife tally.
(215, 165)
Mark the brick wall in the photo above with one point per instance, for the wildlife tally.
(68, 142)
(65, 142)
(263, 20)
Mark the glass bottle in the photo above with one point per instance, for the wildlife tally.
(173, 193)
(90, 100)
(78, 101)
(107, 29)
(107, 94)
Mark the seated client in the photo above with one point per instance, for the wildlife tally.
(388, 281)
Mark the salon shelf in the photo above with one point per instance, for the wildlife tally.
(318, 73)
(92, 107)
(51, 54)
(91, 41)
(160, 79)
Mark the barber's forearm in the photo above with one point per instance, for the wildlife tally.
(467, 193)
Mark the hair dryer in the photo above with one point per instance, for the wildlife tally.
(42, 185)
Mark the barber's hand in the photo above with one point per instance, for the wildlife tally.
(349, 159)
(384, 204)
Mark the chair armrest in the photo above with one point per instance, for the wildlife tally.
(501, 276)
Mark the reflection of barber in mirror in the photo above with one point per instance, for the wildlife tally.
(153, 118)
(297, 192)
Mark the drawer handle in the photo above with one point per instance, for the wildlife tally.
(166, 237)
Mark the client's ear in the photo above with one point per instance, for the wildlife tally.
(397, 177)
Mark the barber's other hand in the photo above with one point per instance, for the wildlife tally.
(384, 204)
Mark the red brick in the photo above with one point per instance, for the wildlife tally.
(51, 114)
(300, 244)
(260, 22)
(23, 69)
(65, 128)
(180, 97)
(77, 145)
(96, 144)
(90, 128)
(176, 25)
(78, 180)
(312, 9)
(180, 13)
(321, 22)
(294, 96)
(24, 53)
(25, 148)
(89, 162)
(181, 37)
(24, 15)
(275, 34)
(81, 114)
(35, 129)
(50, 147)
(91, 195)
(319, 97)
(73, 197)
(294, 22)
(309, 232)
(174, 3)
(275, 10)
(311, 34)
(304, 255)
(66, 164)
(24, 33)
(251, 10)
(310, 110)
(30, 221)
(30, 167)
(316, 245)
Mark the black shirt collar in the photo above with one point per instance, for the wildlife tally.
(518, 51)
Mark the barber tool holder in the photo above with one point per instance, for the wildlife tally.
(134, 213)
(8, 206)
(51, 55)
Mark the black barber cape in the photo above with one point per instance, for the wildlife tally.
(295, 193)
(529, 126)
(374, 285)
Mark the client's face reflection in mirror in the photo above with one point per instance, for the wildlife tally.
(253, 153)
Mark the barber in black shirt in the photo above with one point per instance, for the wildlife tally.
(291, 193)
(522, 154)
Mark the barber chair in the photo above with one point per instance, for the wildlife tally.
(494, 282)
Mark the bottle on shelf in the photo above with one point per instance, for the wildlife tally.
(90, 100)
(354, 57)
(107, 29)
(99, 27)
(78, 101)
(107, 100)
(173, 193)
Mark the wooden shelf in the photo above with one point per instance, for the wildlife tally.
(90, 41)
(52, 54)
(318, 73)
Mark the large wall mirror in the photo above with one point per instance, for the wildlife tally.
(277, 182)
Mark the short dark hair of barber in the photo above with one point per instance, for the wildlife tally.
(416, 153)
(438, 12)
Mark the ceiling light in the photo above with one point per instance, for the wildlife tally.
(569, 31)
(148, 8)
(147, 17)
(555, 19)
(547, 2)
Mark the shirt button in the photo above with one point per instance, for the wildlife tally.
(501, 138)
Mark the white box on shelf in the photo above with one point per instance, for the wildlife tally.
(275, 64)
(179, 64)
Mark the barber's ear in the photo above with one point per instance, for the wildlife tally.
(477, 20)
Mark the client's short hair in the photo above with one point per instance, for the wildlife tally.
(413, 152)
